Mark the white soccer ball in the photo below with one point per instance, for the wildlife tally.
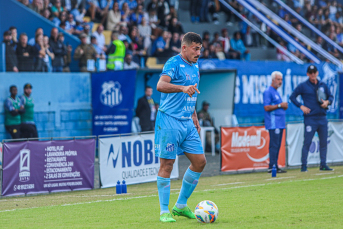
(206, 212)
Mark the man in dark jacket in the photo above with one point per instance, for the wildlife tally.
(58, 49)
(11, 57)
(25, 54)
(146, 111)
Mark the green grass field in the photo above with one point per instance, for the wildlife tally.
(292, 200)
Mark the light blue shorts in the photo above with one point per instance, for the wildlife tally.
(174, 137)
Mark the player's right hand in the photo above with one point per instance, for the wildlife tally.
(190, 90)
(284, 105)
(306, 110)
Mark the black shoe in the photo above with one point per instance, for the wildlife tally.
(303, 168)
(325, 168)
(281, 171)
(269, 170)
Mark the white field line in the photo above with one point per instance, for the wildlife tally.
(228, 184)
(319, 174)
(279, 178)
(149, 196)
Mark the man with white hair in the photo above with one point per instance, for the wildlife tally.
(274, 118)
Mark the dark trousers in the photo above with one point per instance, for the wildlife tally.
(28, 130)
(195, 8)
(275, 138)
(315, 124)
(148, 127)
(14, 131)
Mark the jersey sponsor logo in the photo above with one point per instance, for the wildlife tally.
(24, 165)
(188, 77)
(191, 99)
(194, 75)
(111, 94)
(170, 147)
(196, 66)
(182, 65)
(188, 108)
(277, 97)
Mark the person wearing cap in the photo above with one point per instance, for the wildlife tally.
(85, 52)
(10, 54)
(314, 110)
(13, 109)
(116, 53)
(28, 127)
(275, 119)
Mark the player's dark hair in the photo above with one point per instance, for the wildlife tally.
(11, 87)
(191, 37)
(148, 87)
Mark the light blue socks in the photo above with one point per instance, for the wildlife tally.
(163, 186)
(189, 182)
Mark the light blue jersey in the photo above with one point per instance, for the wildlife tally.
(180, 105)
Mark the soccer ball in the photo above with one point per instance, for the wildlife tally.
(206, 212)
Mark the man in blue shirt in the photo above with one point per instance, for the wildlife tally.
(314, 114)
(177, 127)
(274, 118)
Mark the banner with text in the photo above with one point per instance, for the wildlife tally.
(33, 167)
(130, 158)
(113, 98)
(295, 140)
(247, 148)
(254, 77)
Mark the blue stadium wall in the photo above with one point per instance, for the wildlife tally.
(62, 102)
(13, 13)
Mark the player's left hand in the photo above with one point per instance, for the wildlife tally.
(325, 104)
(197, 125)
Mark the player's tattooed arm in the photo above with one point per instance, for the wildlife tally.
(165, 86)
(196, 121)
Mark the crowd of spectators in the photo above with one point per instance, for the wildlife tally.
(146, 29)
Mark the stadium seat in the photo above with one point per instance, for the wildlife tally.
(152, 63)
(86, 19)
(95, 26)
(107, 34)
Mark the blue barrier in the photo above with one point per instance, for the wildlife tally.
(62, 102)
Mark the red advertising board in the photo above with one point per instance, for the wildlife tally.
(247, 148)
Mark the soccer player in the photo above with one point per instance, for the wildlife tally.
(177, 127)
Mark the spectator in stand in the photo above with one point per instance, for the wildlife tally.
(114, 18)
(216, 39)
(317, 19)
(87, 31)
(137, 16)
(25, 3)
(162, 12)
(46, 14)
(129, 64)
(333, 9)
(37, 5)
(98, 13)
(144, 31)
(47, 5)
(116, 53)
(67, 5)
(10, 54)
(195, 11)
(14, 35)
(124, 34)
(320, 43)
(99, 51)
(330, 48)
(125, 13)
(13, 109)
(339, 35)
(337, 20)
(132, 4)
(280, 55)
(229, 52)
(59, 50)
(28, 128)
(57, 8)
(212, 51)
(175, 26)
(205, 54)
(175, 44)
(160, 47)
(32, 41)
(67, 57)
(25, 54)
(153, 5)
(85, 52)
(100, 37)
(40, 52)
(77, 14)
(238, 45)
(153, 20)
(206, 36)
(204, 11)
(49, 55)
